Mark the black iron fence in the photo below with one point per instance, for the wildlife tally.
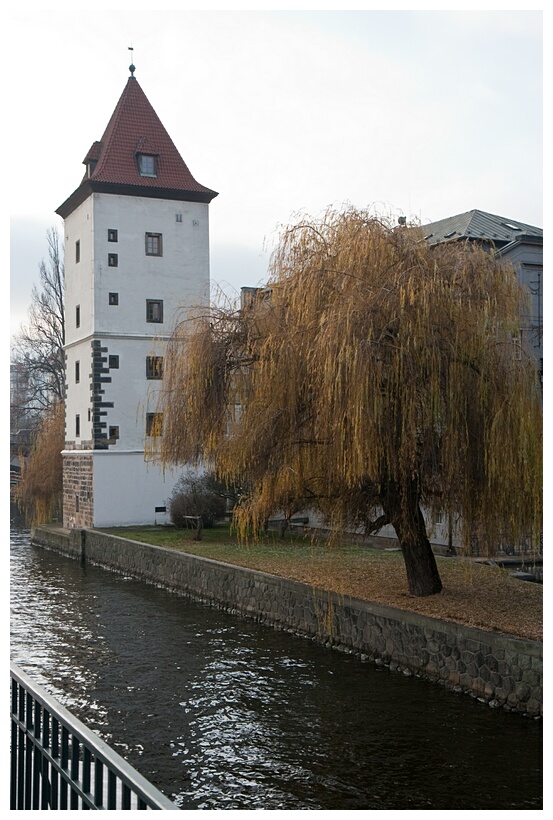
(58, 763)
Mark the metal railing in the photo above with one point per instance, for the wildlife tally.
(58, 763)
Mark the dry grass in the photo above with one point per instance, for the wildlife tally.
(474, 594)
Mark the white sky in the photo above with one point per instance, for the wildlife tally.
(422, 113)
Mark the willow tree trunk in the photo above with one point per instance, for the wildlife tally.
(402, 506)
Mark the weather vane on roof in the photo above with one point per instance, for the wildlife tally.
(132, 68)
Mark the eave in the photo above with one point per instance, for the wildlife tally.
(90, 186)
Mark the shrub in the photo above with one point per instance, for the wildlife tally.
(197, 495)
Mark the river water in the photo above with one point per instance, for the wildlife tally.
(222, 713)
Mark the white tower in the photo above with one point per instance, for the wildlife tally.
(136, 253)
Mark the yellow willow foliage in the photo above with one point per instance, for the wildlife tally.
(371, 358)
(38, 493)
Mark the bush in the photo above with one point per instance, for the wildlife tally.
(197, 495)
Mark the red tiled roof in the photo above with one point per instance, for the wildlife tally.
(135, 128)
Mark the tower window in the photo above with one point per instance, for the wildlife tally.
(154, 244)
(154, 424)
(113, 260)
(113, 298)
(77, 372)
(113, 433)
(77, 425)
(113, 362)
(154, 310)
(78, 250)
(147, 165)
(78, 316)
(154, 367)
(112, 235)
(178, 217)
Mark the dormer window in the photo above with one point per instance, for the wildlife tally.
(147, 165)
(90, 166)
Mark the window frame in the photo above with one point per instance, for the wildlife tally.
(154, 368)
(150, 303)
(113, 361)
(113, 260)
(113, 299)
(151, 162)
(154, 424)
(153, 244)
(112, 235)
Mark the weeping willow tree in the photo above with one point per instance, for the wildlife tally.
(372, 378)
(38, 494)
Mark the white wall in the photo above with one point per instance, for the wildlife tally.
(127, 489)
(179, 277)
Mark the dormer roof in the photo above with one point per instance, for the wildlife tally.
(113, 165)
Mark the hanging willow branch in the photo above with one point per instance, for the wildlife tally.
(375, 376)
(38, 494)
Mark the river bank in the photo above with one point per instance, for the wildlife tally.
(501, 669)
(475, 593)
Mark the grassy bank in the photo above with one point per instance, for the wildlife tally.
(474, 594)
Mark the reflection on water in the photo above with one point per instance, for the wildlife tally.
(221, 713)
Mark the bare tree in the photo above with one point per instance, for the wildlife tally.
(371, 379)
(37, 352)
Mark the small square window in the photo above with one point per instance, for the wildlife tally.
(78, 316)
(154, 310)
(114, 298)
(77, 372)
(154, 244)
(178, 217)
(113, 362)
(113, 260)
(113, 433)
(112, 235)
(77, 425)
(154, 424)
(154, 367)
(78, 250)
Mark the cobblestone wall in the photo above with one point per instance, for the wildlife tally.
(501, 670)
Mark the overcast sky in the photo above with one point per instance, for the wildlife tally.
(423, 114)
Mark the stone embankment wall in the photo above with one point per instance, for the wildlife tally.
(501, 670)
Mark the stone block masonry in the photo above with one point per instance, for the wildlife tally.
(78, 489)
(501, 670)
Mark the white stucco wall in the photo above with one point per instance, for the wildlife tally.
(179, 277)
(126, 488)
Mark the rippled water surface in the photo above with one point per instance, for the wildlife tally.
(221, 713)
